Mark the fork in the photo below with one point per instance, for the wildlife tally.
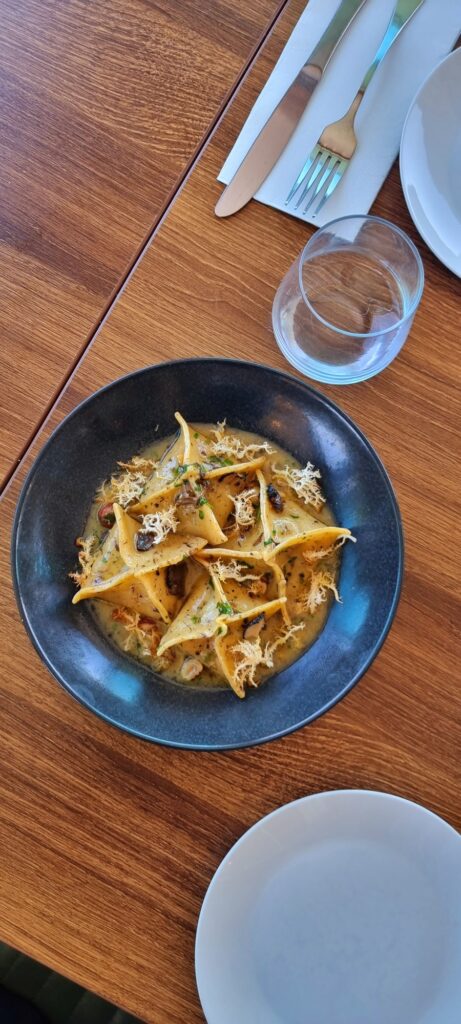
(331, 156)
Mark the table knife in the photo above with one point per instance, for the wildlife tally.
(278, 129)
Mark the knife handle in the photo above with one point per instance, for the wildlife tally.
(333, 34)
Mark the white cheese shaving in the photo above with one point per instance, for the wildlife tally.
(244, 508)
(160, 524)
(316, 554)
(303, 482)
(231, 570)
(85, 557)
(143, 637)
(252, 655)
(229, 446)
(320, 583)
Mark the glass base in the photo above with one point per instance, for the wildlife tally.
(321, 372)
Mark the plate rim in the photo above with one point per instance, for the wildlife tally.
(379, 795)
(286, 730)
(456, 270)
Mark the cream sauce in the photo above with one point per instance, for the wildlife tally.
(296, 570)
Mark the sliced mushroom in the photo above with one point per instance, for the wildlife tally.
(186, 496)
(176, 579)
(254, 627)
(190, 669)
(144, 540)
(275, 498)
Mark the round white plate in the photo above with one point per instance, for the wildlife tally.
(340, 908)
(430, 161)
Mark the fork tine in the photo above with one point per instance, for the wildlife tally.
(302, 174)
(322, 157)
(328, 173)
(334, 182)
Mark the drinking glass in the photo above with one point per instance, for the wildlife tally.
(345, 307)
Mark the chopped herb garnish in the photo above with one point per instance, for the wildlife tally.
(203, 501)
(270, 541)
(196, 619)
(201, 513)
(227, 462)
(293, 516)
(196, 433)
(224, 608)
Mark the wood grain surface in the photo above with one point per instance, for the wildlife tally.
(108, 844)
(103, 105)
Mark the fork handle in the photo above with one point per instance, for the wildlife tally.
(404, 10)
(398, 21)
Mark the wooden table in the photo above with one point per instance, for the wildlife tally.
(104, 104)
(108, 844)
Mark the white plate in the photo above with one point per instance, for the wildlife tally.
(430, 161)
(340, 908)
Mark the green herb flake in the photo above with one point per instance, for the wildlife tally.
(196, 433)
(201, 513)
(196, 619)
(270, 541)
(224, 608)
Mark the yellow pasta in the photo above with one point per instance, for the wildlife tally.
(212, 557)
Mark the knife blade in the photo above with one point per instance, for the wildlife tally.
(279, 127)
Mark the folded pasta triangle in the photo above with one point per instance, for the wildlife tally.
(106, 568)
(148, 594)
(199, 616)
(239, 657)
(169, 470)
(293, 524)
(246, 586)
(173, 548)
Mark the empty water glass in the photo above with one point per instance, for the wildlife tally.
(345, 307)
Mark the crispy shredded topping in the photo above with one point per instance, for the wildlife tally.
(85, 557)
(316, 554)
(160, 524)
(126, 487)
(143, 636)
(320, 583)
(252, 655)
(229, 446)
(245, 506)
(231, 570)
(139, 464)
(303, 482)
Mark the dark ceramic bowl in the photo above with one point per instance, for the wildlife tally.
(118, 421)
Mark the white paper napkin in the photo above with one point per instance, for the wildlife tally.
(429, 36)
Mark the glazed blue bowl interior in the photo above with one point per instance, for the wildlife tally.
(118, 421)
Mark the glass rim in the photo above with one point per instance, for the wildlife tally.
(412, 247)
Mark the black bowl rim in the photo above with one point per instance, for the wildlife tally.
(172, 363)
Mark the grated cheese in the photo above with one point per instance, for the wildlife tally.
(244, 509)
(316, 554)
(160, 523)
(227, 446)
(303, 482)
(233, 571)
(143, 637)
(321, 582)
(252, 656)
(85, 557)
